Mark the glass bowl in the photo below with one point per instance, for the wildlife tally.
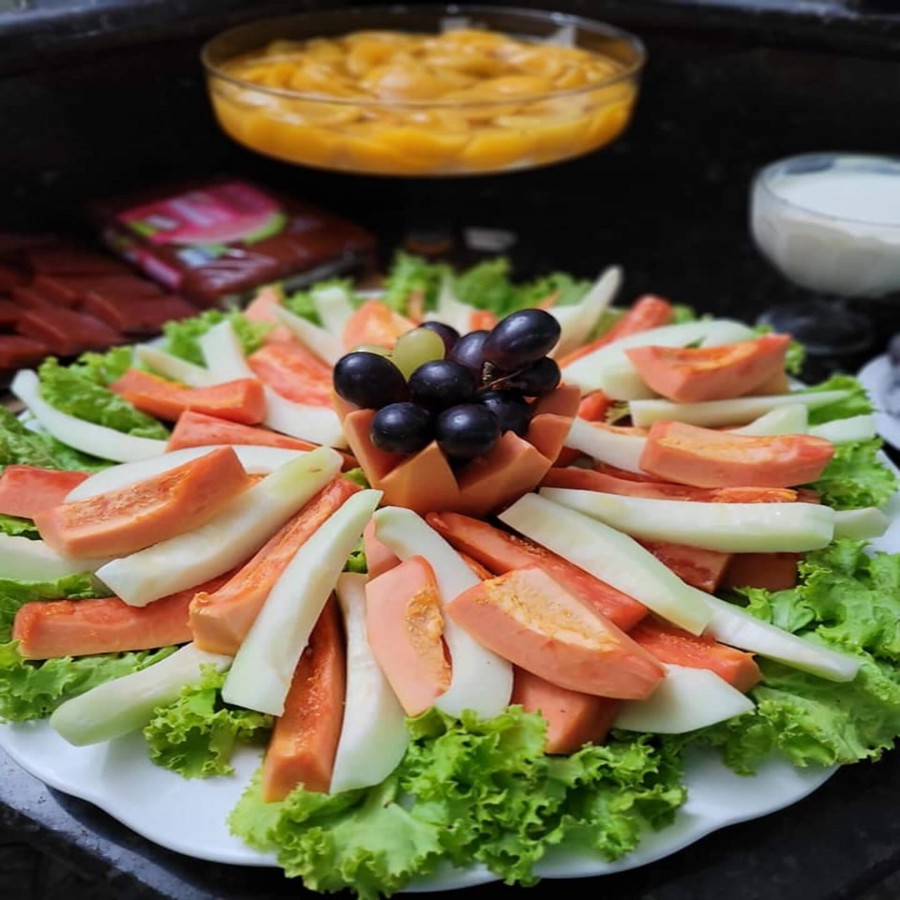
(475, 131)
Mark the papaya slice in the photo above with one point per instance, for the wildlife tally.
(50, 629)
(502, 552)
(221, 618)
(293, 372)
(422, 482)
(28, 490)
(241, 400)
(375, 323)
(696, 374)
(260, 309)
(405, 628)
(772, 571)
(119, 522)
(675, 646)
(529, 619)
(305, 738)
(377, 464)
(379, 558)
(573, 718)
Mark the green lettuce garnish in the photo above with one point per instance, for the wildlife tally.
(15, 526)
(80, 390)
(22, 446)
(408, 275)
(855, 477)
(468, 790)
(300, 303)
(197, 734)
(849, 601)
(182, 338)
(15, 593)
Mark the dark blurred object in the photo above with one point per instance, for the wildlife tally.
(222, 237)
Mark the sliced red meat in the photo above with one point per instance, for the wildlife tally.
(11, 277)
(27, 297)
(17, 351)
(136, 315)
(66, 332)
(70, 260)
(57, 289)
(9, 313)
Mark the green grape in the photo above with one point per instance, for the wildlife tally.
(373, 348)
(416, 347)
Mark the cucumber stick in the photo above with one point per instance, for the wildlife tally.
(264, 664)
(118, 707)
(721, 413)
(727, 527)
(23, 559)
(617, 448)
(373, 734)
(846, 431)
(481, 680)
(611, 556)
(793, 418)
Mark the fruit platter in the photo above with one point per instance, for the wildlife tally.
(467, 578)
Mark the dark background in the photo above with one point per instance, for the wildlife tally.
(103, 97)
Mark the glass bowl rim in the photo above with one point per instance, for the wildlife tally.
(764, 176)
(633, 69)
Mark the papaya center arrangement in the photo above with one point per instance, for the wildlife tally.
(476, 565)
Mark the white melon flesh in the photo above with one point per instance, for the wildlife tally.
(22, 559)
(97, 440)
(232, 537)
(733, 626)
(847, 431)
(223, 353)
(686, 699)
(790, 419)
(480, 680)
(225, 359)
(374, 736)
(173, 367)
(609, 555)
(609, 369)
(118, 707)
(264, 665)
(256, 460)
(318, 340)
(618, 449)
(334, 307)
(451, 310)
(722, 413)
(727, 527)
(577, 321)
(860, 524)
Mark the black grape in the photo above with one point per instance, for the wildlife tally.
(447, 333)
(468, 352)
(441, 383)
(467, 431)
(401, 428)
(369, 380)
(511, 409)
(521, 338)
(539, 377)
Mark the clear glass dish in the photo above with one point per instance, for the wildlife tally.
(424, 137)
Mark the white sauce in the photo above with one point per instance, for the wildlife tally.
(835, 230)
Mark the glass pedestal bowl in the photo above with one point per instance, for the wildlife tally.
(444, 117)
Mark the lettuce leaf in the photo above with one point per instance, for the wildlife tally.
(468, 790)
(565, 289)
(80, 390)
(197, 734)
(410, 274)
(855, 404)
(22, 446)
(855, 477)
(18, 527)
(182, 337)
(847, 600)
(300, 303)
(32, 690)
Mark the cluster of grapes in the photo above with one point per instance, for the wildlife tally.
(464, 391)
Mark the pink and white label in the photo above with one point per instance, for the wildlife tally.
(221, 214)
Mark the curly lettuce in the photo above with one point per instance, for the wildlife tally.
(468, 790)
(182, 337)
